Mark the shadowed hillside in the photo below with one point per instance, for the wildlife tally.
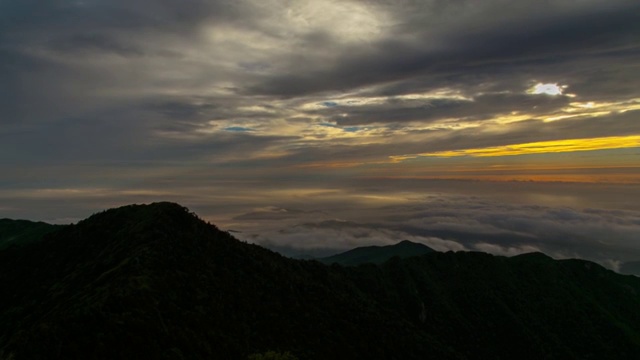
(154, 281)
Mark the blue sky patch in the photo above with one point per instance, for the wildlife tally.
(237, 129)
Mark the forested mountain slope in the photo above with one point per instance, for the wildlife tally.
(154, 281)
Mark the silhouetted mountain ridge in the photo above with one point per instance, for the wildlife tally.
(21, 232)
(378, 254)
(154, 281)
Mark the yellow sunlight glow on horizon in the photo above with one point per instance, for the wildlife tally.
(541, 147)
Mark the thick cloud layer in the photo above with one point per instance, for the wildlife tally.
(454, 223)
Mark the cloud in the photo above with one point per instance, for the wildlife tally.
(198, 62)
(233, 106)
(330, 237)
(469, 44)
(454, 222)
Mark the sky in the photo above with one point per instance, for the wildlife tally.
(314, 126)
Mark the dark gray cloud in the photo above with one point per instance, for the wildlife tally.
(531, 42)
(66, 58)
(63, 58)
(33, 16)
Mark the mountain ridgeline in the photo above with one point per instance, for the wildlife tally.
(154, 281)
(21, 232)
(377, 254)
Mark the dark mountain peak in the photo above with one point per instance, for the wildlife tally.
(129, 241)
(534, 256)
(408, 243)
(156, 222)
(378, 254)
(133, 210)
(154, 212)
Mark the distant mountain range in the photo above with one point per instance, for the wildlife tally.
(20, 232)
(378, 254)
(156, 282)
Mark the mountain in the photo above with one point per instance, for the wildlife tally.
(377, 254)
(20, 232)
(154, 281)
(631, 268)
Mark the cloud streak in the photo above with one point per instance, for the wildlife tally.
(543, 147)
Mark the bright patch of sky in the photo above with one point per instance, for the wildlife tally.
(549, 89)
